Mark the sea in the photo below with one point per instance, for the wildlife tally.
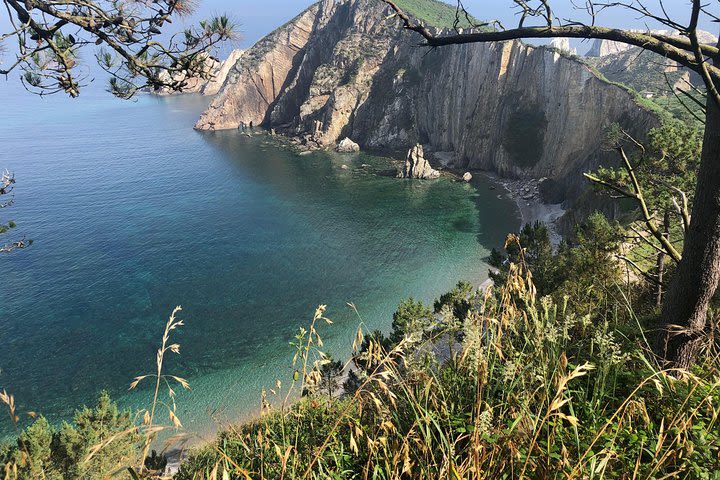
(132, 212)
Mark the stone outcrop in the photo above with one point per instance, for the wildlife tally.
(347, 146)
(563, 44)
(601, 48)
(417, 166)
(213, 85)
(209, 83)
(346, 68)
(260, 76)
(467, 176)
(646, 73)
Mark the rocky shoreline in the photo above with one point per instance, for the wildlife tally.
(526, 194)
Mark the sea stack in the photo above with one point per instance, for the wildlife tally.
(417, 166)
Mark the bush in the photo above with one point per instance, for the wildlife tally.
(65, 453)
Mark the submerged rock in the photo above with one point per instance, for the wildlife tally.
(417, 166)
(347, 146)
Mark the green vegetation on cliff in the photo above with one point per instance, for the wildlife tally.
(433, 12)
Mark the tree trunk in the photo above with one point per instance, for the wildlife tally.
(660, 289)
(684, 314)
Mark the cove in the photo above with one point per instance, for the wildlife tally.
(132, 212)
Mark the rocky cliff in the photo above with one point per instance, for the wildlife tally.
(222, 70)
(602, 48)
(345, 68)
(215, 73)
(644, 71)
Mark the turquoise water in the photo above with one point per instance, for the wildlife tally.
(133, 212)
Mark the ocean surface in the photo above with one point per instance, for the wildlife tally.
(133, 212)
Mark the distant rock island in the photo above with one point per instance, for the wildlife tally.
(216, 72)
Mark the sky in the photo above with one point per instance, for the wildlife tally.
(259, 17)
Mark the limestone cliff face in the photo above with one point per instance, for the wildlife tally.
(214, 75)
(602, 48)
(345, 69)
(645, 73)
(260, 76)
(213, 86)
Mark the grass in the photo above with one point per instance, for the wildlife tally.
(491, 384)
(526, 389)
(433, 12)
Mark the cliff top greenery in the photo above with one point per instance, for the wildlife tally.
(433, 12)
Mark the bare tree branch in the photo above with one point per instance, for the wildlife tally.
(688, 53)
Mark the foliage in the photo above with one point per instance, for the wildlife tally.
(583, 269)
(456, 301)
(411, 317)
(668, 163)
(435, 13)
(50, 37)
(659, 178)
(65, 453)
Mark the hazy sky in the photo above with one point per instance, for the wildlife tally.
(260, 17)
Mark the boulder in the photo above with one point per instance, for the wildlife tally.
(416, 166)
(467, 176)
(347, 146)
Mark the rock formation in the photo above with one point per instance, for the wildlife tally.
(347, 146)
(416, 166)
(213, 85)
(601, 48)
(261, 75)
(213, 78)
(563, 44)
(644, 72)
(510, 108)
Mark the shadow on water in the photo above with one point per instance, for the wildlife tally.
(368, 184)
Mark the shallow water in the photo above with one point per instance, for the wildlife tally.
(133, 212)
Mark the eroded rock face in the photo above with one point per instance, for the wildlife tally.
(213, 85)
(417, 166)
(647, 73)
(260, 75)
(346, 68)
(213, 78)
(601, 48)
(347, 146)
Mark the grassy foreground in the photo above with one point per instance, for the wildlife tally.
(496, 384)
(547, 374)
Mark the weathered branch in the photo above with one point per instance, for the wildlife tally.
(672, 49)
(647, 217)
(637, 268)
